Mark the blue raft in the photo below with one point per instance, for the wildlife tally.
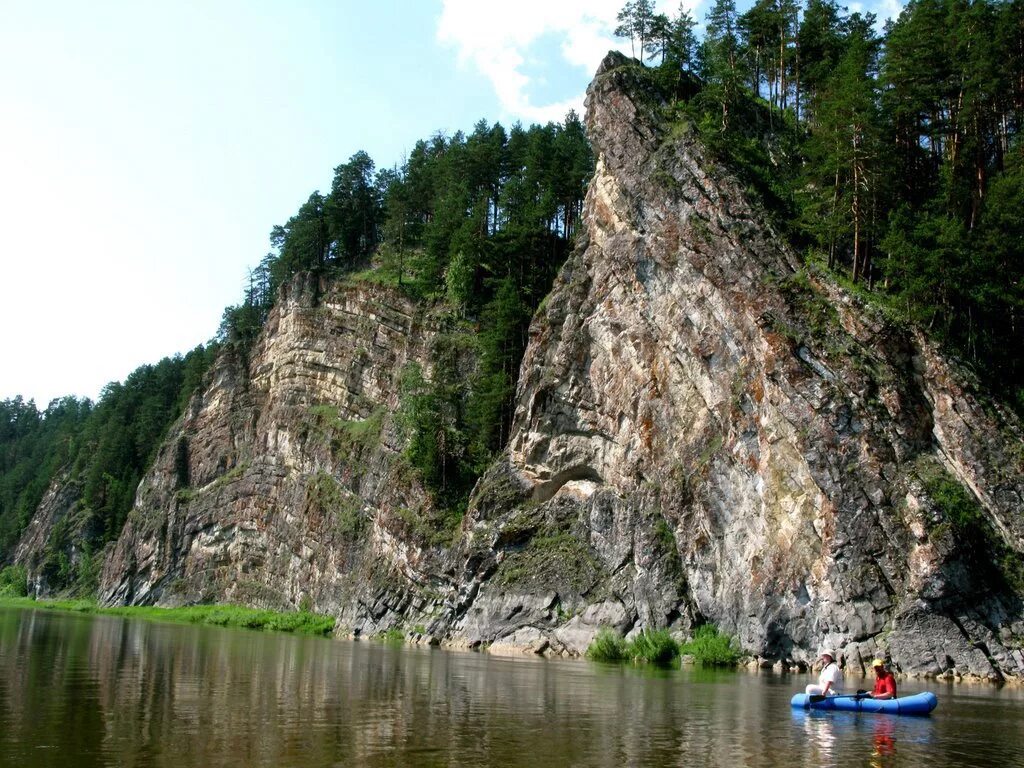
(918, 704)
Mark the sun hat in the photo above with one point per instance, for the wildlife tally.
(827, 652)
(877, 663)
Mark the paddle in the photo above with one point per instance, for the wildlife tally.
(814, 698)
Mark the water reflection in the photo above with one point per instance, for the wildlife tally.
(829, 736)
(107, 691)
(884, 740)
(821, 738)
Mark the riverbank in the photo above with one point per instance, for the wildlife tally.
(299, 622)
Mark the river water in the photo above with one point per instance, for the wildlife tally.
(107, 691)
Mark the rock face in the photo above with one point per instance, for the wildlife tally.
(704, 432)
(280, 487)
(57, 507)
(735, 440)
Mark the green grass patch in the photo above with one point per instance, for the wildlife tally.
(608, 647)
(654, 646)
(555, 559)
(233, 474)
(298, 622)
(712, 647)
(349, 439)
(650, 646)
(325, 494)
(392, 269)
(657, 647)
(394, 636)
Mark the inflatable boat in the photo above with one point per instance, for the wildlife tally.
(918, 704)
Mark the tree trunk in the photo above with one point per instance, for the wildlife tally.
(796, 79)
(782, 68)
(855, 210)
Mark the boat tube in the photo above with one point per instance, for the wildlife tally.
(918, 704)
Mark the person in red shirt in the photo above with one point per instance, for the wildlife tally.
(885, 683)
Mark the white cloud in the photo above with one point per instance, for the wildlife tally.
(494, 35)
(883, 10)
(888, 9)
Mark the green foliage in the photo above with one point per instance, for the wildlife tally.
(501, 342)
(349, 439)
(663, 534)
(393, 636)
(482, 220)
(897, 156)
(657, 647)
(712, 648)
(34, 446)
(551, 558)
(721, 64)
(608, 647)
(326, 496)
(960, 509)
(354, 210)
(654, 646)
(970, 527)
(13, 581)
(432, 418)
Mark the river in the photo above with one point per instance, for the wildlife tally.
(107, 691)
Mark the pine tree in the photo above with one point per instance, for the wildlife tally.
(352, 210)
(636, 21)
(682, 41)
(820, 45)
(846, 148)
(721, 59)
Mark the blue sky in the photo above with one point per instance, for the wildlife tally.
(146, 149)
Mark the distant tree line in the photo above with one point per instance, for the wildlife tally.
(894, 158)
(103, 447)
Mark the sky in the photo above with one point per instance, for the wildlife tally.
(147, 148)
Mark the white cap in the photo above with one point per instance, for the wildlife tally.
(828, 652)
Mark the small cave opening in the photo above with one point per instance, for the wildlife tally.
(546, 490)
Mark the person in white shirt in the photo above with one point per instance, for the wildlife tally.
(830, 681)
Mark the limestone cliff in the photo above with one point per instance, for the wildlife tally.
(704, 431)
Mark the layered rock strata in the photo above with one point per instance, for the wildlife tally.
(281, 486)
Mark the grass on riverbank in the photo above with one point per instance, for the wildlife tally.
(709, 647)
(299, 622)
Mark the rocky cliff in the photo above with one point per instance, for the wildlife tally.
(282, 486)
(705, 431)
(737, 440)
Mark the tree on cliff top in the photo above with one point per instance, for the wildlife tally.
(353, 210)
(637, 22)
